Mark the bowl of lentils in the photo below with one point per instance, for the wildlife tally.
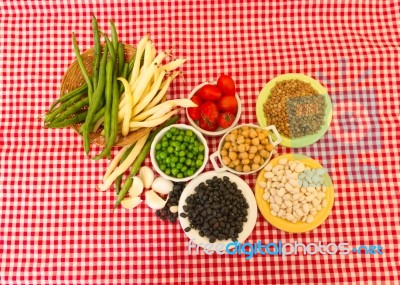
(298, 106)
(179, 153)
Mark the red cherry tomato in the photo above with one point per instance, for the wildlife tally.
(207, 126)
(209, 93)
(225, 120)
(209, 112)
(227, 104)
(194, 112)
(226, 84)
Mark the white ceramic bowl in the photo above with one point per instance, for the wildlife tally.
(275, 139)
(159, 137)
(251, 214)
(219, 131)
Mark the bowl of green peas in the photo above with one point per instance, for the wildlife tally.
(179, 153)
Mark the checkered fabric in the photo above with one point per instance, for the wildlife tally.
(57, 229)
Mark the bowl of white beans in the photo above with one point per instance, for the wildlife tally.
(245, 149)
(294, 193)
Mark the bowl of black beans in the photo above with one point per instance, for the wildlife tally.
(217, 208)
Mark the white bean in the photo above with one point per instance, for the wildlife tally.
(262, 184)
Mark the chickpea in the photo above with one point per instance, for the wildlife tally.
(236, 162)
(243, 155)
(245, 128)
(252, 133)
(253, 149)
(242, 148)
(245, 133)
(239, 168)
(252, 155)
(224, 152)
(265, 133)
(231, 165)
(264, 141)
(235, 148)
(247, 147)
(255, 166)
(228, 137)
(270, 147)
(247, 141)
(234, 132)
(227, 145)
(257, 159)
(264, 153)
(246, 161)
(261, 136)
(232, 155)
(260, 147)
(255, 141)
(226, 160)
(262, 161)
(240, 139)
(246, 168)
(259, 130)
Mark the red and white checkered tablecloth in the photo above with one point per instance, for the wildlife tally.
(57, 229)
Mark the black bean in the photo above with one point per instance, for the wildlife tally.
(188, 229)
(183, 215)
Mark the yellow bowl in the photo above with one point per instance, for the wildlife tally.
(306, 140)
(285, 225)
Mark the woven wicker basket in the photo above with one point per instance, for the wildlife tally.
(73, 78)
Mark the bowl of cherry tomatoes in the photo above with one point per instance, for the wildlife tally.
(218, 107)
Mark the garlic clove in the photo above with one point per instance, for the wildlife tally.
(136, 188)
(162, 185)
(131, 202)
(147, 176)
(154, 201)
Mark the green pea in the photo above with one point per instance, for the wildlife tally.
(195, 149)
(174, 158)
(170, 149)
(183, 146)
(184, 169)
(189, 133)
(182, 159)
(172, 164)
(173, 130)
(168, 160)
(200, 157)
(158, 146)
(180, 175)
(181, 153)
(168, 171)
(164, 144)
(188, 162)
(179, 138)
(190, 155)
(201, 147)
(189, 172)
(163, 155)
(186, 139)
(174, 171)
(177, 148)
(179, 165)
(199, 163)
(163, 167)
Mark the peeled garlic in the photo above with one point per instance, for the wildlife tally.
(131, 202)
(154, 201)
(162, 185)
(147, 176)
(136, 188)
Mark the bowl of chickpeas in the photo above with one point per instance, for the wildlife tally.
(245, 149)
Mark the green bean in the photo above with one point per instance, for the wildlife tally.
(113, 121)
(82, 67)
(74, 109)
(111, 48)
(114, 35)
(121, 59)
(108, 93)
(139, 160)
(119, 178)
(65, 97)
(57, 111)
(68, 122)
(97, 95)
(97, 52)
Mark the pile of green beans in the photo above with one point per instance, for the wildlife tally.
(99, 96)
